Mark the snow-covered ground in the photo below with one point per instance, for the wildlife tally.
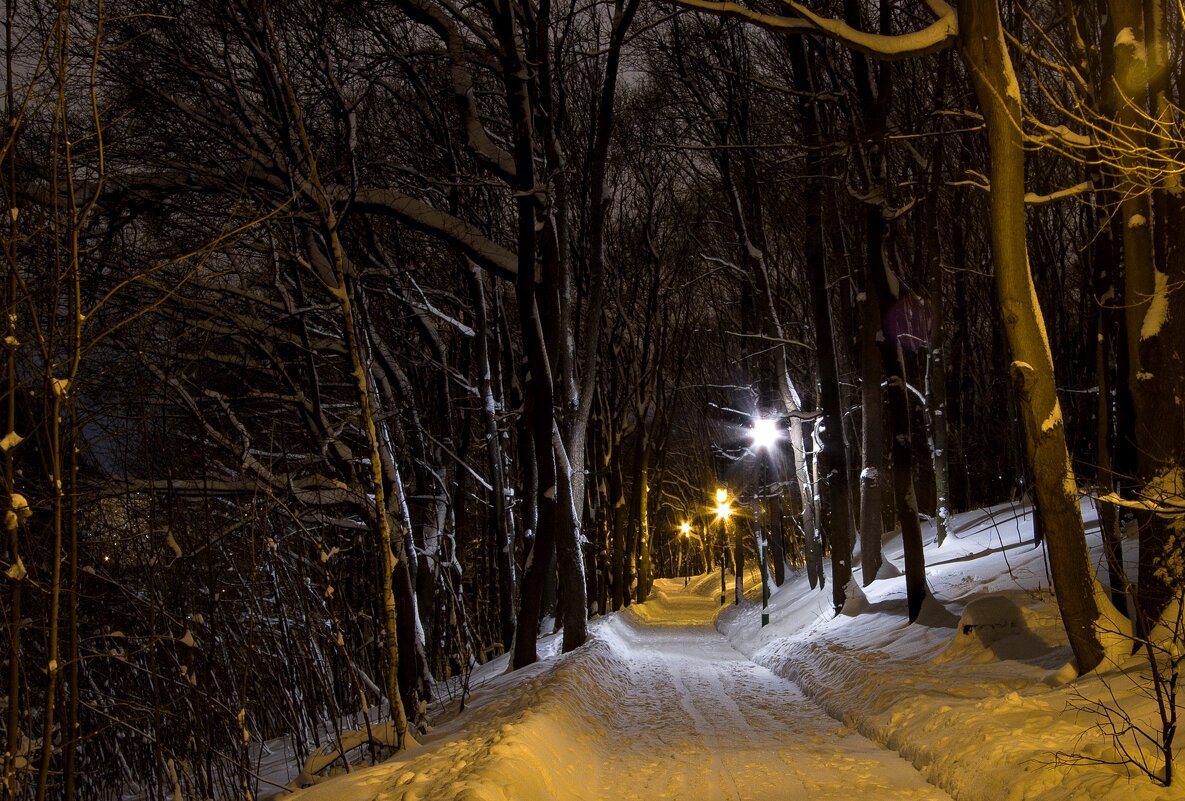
(680, 699)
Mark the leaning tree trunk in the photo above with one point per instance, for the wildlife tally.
(982, 46)
(337, 271)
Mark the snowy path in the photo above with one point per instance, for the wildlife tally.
(657, 706)
(700, 721)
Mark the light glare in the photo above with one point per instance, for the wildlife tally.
(764, 433)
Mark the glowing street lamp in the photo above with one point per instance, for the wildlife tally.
(762, 436)
(685, 551)
(723, 512)
(764, 433)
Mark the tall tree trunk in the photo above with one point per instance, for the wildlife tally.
(580, 398)
(1154, 263)
(1104, 261)
(15, 571)
(872, 436)
(777, 541)
(641, 516)
(832, 459)
(871, 132)
(503, 524)
(874, 107)
(539, 392)
(619, 546)
(982, 46)
(748, 222)
(936, 401)
(897, 397)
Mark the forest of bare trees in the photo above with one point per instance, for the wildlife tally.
(349, 345)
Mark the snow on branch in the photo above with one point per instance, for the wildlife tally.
(937, 36)
(1169, 507)
(979, 181)
(1164, 495)
(1034, 199)
(470, 239)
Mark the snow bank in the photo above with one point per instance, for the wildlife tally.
(525, 739)
(971, 694)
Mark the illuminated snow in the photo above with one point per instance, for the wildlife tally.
(676, 699)
(1158, 309)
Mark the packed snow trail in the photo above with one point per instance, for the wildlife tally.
(656, 706)
(701, 721)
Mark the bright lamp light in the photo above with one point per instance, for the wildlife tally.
(723, 505)
(764, 432)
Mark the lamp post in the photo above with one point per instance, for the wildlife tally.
(723, 512)
(762, 437)
(685, 528)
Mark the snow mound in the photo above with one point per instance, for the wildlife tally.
(888, 570)
(992, 628)
(855, 601)
(934, 615)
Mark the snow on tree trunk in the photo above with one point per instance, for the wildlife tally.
(1151, 218)
(982, 46)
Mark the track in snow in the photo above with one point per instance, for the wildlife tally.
(700, 721)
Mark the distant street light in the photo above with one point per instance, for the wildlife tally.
(685, 528)
(723, 512)
(762, 436)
